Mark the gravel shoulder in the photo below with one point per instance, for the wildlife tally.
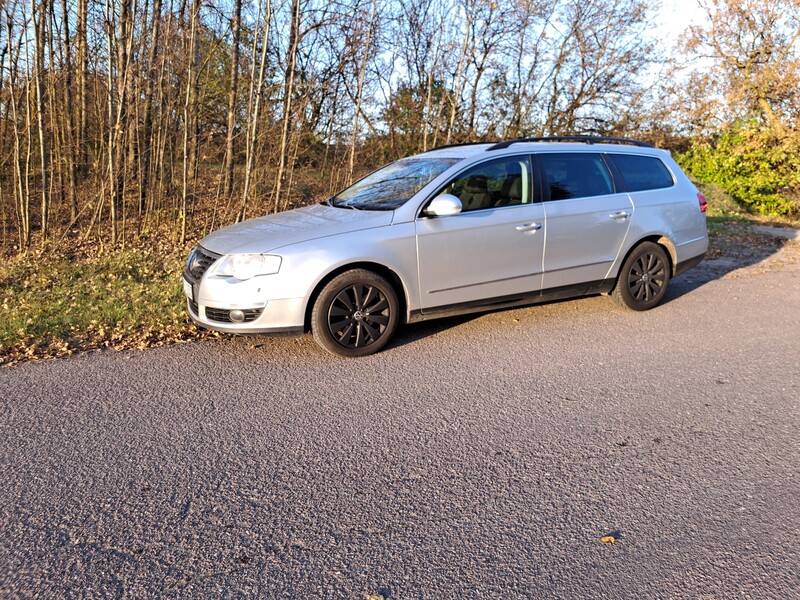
(739, 249)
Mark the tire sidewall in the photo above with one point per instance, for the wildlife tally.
(319, 313)
(622, 293)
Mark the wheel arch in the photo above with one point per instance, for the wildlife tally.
(391, 276)
(661, 240)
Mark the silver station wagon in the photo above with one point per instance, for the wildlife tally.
(455, 230)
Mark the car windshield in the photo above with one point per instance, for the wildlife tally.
(391, 186)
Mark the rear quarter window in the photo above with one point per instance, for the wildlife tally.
(642, 173)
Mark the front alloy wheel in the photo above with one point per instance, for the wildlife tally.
(355, 314)
(643, 278)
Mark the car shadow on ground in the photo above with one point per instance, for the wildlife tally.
(725, 256)
(413, 332)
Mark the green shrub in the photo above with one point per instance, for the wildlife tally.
(760, 169)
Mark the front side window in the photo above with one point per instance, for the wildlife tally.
(575, 175)
(642, 173)
(497, 183)
(392, 186)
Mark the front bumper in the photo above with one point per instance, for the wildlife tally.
(210, 303)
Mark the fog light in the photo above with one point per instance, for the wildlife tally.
(237, 316)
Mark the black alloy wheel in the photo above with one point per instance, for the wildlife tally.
(355, 314)
(644, 277)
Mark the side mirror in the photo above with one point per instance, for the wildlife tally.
(443, 206)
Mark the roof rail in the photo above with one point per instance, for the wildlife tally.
(456, 145)
(584, 139)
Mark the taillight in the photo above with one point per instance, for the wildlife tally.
(703, 202)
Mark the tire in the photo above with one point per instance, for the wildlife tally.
(643, 279)
(355, 314)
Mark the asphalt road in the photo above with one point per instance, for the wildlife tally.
(479, 457)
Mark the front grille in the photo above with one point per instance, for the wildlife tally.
(223, 315)
(201, 260)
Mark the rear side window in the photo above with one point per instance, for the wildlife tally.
(642, 173)
(575, 175)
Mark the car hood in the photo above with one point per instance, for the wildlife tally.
(265, 234)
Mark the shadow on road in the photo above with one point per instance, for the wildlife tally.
(735, 248)
(749, 247)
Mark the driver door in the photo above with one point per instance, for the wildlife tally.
(493, 249)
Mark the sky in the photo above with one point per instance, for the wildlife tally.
(676, 16)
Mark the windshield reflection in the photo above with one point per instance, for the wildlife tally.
(390, 187)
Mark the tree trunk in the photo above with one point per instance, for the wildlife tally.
(44, 155)
(232, 94)
(288, 91)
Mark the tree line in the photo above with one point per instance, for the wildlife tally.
(123, 118)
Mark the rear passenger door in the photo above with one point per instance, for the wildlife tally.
(586, 219)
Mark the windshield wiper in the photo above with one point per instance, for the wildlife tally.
(330, 202)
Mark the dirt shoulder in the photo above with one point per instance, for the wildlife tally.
(742, 248)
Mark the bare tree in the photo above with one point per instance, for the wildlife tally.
(147, 146)
(258, 65)
(189, 122)
(82, 58)
(39, 13)
(362, 70)
(70, 154)
(754, 51)
(601, 52)
(291, 60)
(459, 79)
(20, 178)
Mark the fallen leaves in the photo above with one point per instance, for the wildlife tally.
(608, 539)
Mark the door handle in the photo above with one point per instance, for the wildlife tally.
(619, 216)
(529, 227)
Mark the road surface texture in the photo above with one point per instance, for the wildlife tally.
(480, 457)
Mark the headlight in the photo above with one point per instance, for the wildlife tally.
(247, 266)
(191, 257)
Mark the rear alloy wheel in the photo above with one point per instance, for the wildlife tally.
(355, 314)
(643, 279)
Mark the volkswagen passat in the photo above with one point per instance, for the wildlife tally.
(455, 230)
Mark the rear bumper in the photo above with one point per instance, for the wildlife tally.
(690, 263)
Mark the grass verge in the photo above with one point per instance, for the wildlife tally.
(55, 305)
(730, 225)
